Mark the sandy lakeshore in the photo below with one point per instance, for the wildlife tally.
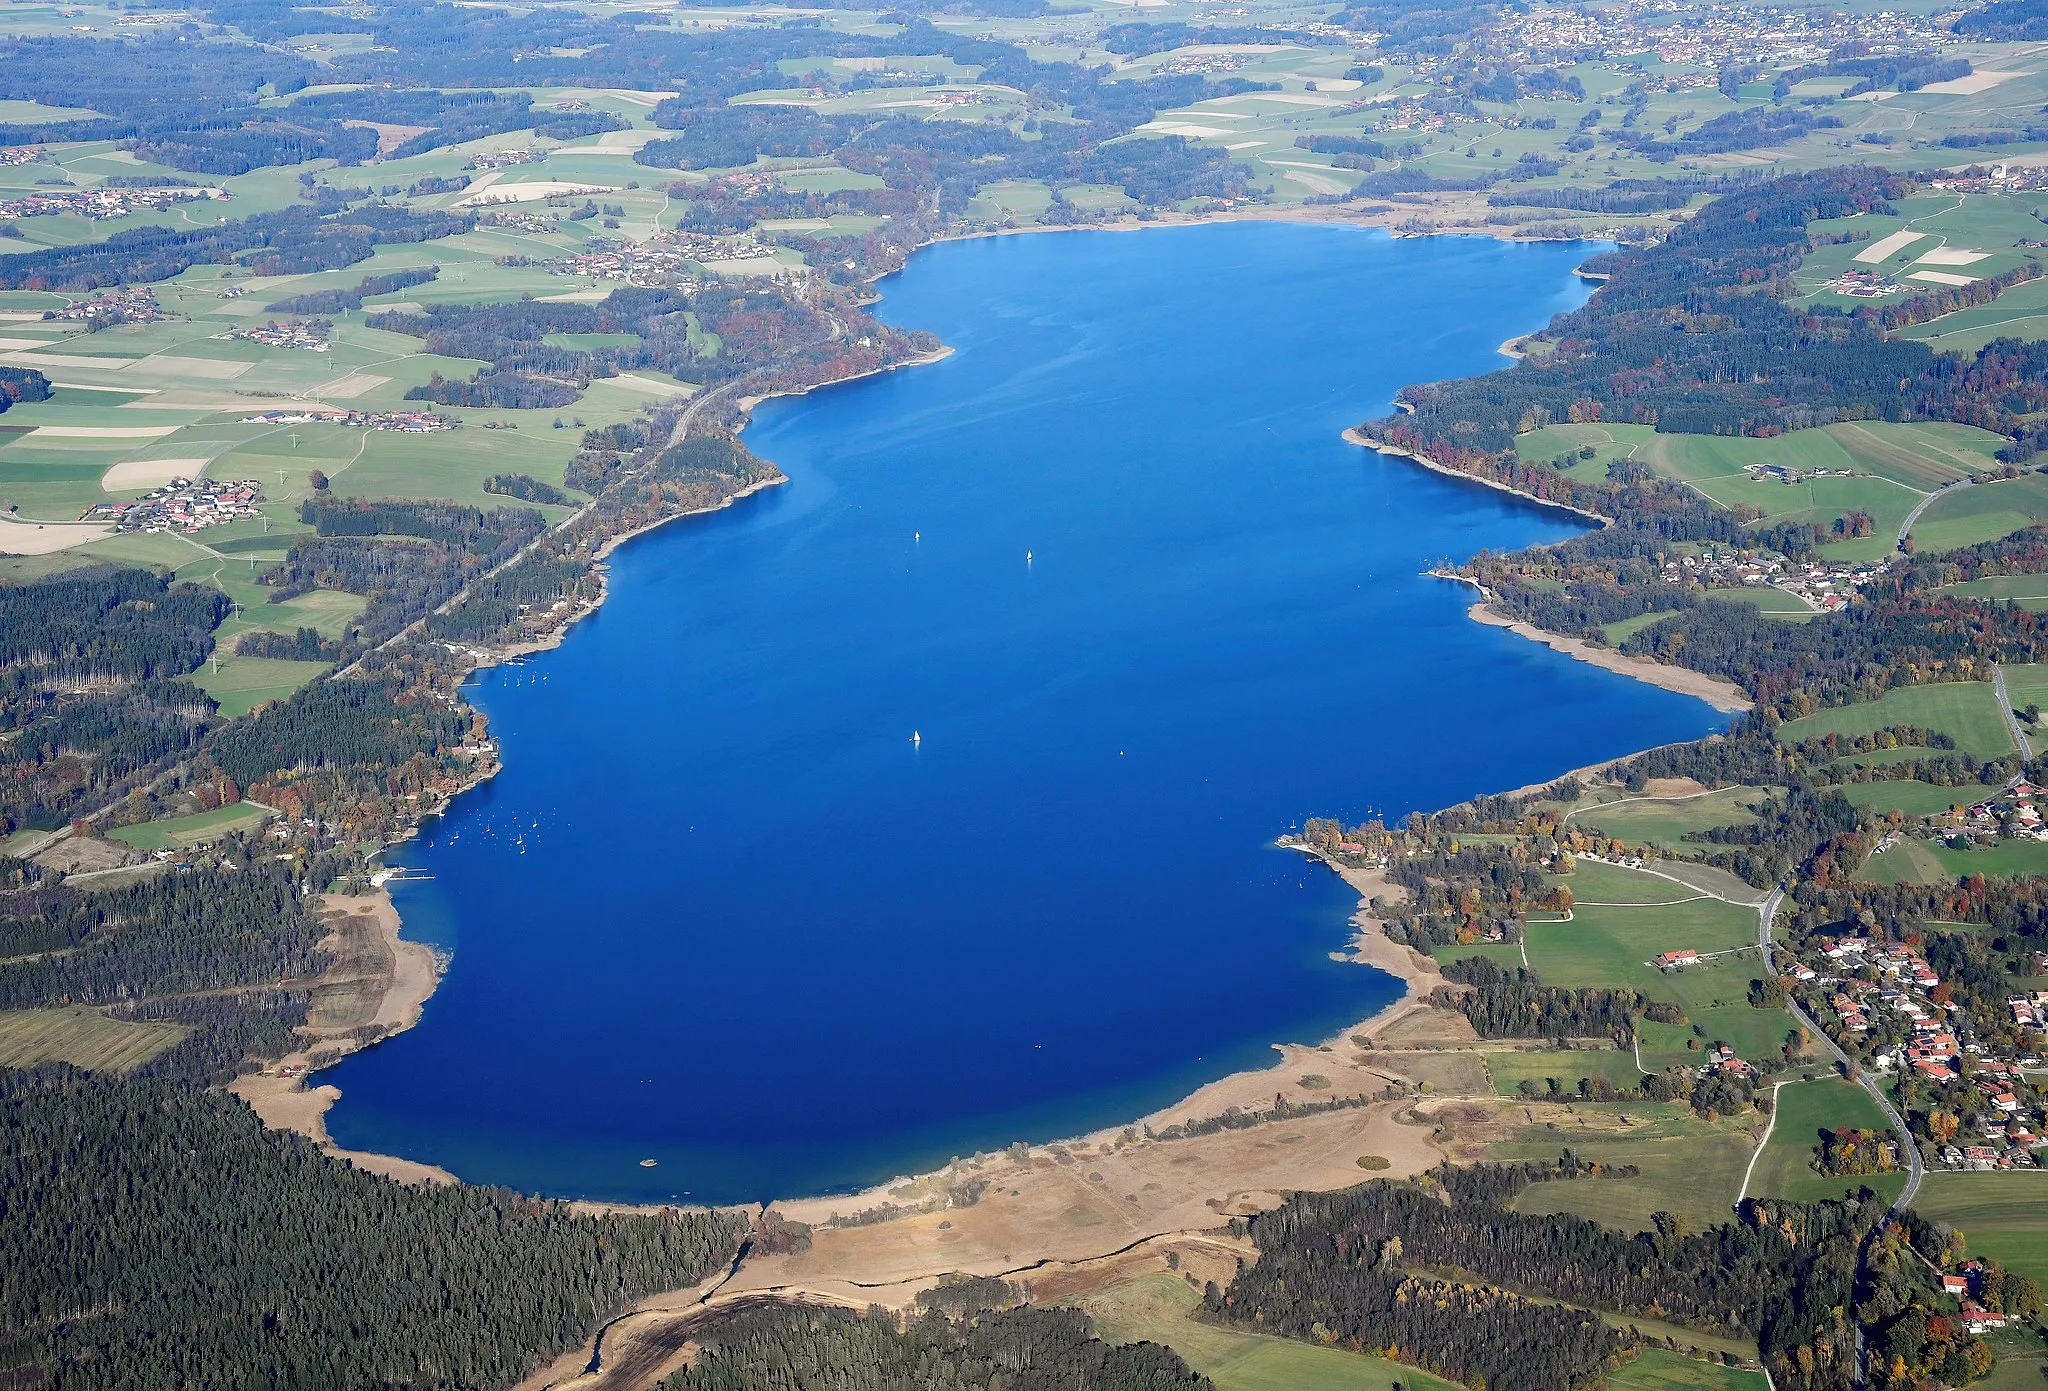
(375, 986)
(1722, 695)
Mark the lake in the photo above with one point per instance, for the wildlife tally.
(926, 803)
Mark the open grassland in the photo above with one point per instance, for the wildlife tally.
(243, 683)
(1666, 822)
(2016, 1371)
(1162, 1308)
(2030, 592)
(2027, 684)
(1906, 861)
(1511, 1068)
(1967, 711)
(1654, 1369)
(1686, 1166)
(82, 1037)
(1909, 796)
(1785, 1168)
(1877, 467)
(186, 830)
(1621, 921)
(2005, 1216)
(1983, 512)
(2006, 859)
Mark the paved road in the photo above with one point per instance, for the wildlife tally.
(2012, 721)
(1915, 1169)
(1906, 527)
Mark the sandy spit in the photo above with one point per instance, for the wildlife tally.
(1722, 695)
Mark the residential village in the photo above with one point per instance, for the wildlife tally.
(103, 203)
(182, 505)
(411, 422)
(136, 306)
(1890, 1006)
(1824, 585)
(304, 336)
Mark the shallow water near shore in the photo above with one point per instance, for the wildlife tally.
(925, 803)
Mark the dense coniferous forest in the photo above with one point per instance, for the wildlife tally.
(340, 301)
(160, 1237)
(175, 934)
(91, 688)
(337, 725)
(778, 1347)
(1514, 1003)
(1782, 1271)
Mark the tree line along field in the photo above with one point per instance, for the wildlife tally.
(1966, 710)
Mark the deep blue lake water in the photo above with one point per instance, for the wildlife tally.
(1145, 610)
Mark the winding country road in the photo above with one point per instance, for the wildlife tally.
(1906, 527)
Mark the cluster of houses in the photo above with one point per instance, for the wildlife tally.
(136, 306)
(2011, 813)
(1723, 1060)
(1823, 585)
(505, 159)
(668, 260)
(21, 154)
(182, 505)
(1996, 178)
(411, 422)
(101, 203)
(1965, 1284)
(1939, 1037)
(299, 336)
(1863, 284)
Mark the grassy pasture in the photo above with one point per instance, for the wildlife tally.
(1161, 1308)
(2027, 684)
(1666, 823)
(1654, 1369)
(2003, 861)
(1509, 1068)
(2030, 592)
(82, 1037)
(1613, 946)
(1686, 1166)
(1909, 796)
(1908, 861)
(1965, 710)
(2004, 1216)
(1982, 513)
(187, 830)
(243, 683)
(1785, 1170)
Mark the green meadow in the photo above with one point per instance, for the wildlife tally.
(174, 831)
(2004, 1216)
(1967, 711)
(1785, 1168)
